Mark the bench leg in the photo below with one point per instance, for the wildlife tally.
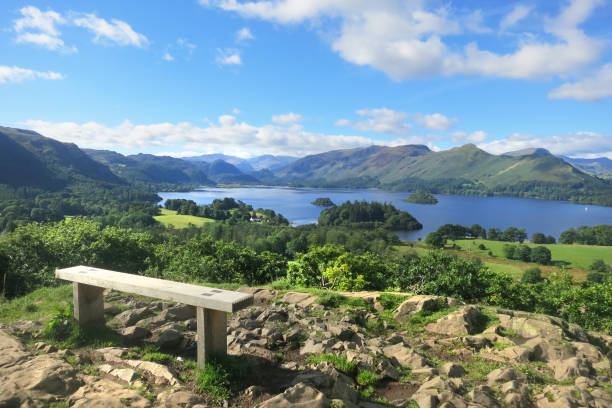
(212, 334)
(88, 303)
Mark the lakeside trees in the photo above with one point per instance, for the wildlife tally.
(362, 214)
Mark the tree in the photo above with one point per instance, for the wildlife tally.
(541, 255)
(494, 234)
(509, 251)
(568, 237)
(523, 253)
(435, 239)
(532, 275)
(599, 265)
(538, 238)
(478, 231)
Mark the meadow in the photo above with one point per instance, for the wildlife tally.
(575, 258)
(170, 217)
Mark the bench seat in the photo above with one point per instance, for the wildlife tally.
(212, 305)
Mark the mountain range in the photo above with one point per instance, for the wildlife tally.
(28, 158)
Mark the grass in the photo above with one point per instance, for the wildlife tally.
(581, 256)
(220, 376)
(35, 305)
(170, 217)
(340, 362)
(335, 300)
(367, 378)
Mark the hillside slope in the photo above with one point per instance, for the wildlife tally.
(463, 170)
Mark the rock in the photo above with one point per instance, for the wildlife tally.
(343, 333)
(125, 374)
(570, 368)
(483, 395)
(134, 334)
(273, 316)
(43, 378)
(104, 393)
(503, 375)
(311, 347)
(516, 354)
(169, 338)
(298, 396)
(405, 356)
(426, 400)
(529, 326)
(467, 320)
(298, 298)
(180, 313)
(129, 317)
(112, 354)
(178, 399)
(161, 373)
(415, 304)
(437, 383)
(453, 370)
(587, 351)
(330, 381)
(548, 350)
(111, 309)
(517, 400)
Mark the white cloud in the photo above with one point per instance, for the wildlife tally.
(518, 13)
(287, 118)
(380, 120)
(167, 57)
(228, 57)
(40, 28)
(435, 121)
(406, 40)
(116, 31)
(579, 144)
(15, 74)
(589, 89)
(244, 34)
(235, 111)
(478, 136)
(227, 135)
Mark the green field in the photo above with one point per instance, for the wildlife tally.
(169, 217)
(575, 258)
(580, 256)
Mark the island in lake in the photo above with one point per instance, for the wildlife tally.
(421, 198)
(323, 202)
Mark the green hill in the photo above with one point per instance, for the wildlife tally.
(147, 168)
(462, 170)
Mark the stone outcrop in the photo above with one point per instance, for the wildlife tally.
(522, 361)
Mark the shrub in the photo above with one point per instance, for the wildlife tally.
(541, 255)
(532, 275)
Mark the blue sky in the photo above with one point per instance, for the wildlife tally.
(299, 77)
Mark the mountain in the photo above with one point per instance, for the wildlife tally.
(462, 170)
(600, 166)
(30, 159)
(226, 173)
(526, 152)
(270, 162)
(147, 168)
(248, 166)
(242, 164)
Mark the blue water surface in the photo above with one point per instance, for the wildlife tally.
(546, 216)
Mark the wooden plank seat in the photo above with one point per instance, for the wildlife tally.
(212, 305)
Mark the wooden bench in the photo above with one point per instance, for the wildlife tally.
(212, 305)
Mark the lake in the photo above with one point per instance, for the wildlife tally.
(546, 216)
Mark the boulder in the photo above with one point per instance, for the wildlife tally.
(299, 396)
(299, 298)
(571, 367)
(503, 375)
(129, 317)
(134, 334)
(178, 399)
(417, 303)
(467, 320)
(453, 370)
(530, 326)
(405, 356)
(104, 393)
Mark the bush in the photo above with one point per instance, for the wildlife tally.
(541, 255)
(532, 275)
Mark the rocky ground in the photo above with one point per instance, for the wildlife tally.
(298, 350)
